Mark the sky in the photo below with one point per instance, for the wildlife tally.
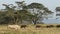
(50, 4)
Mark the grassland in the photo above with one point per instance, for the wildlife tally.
(29, 30)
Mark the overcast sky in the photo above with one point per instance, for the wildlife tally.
(51, 4)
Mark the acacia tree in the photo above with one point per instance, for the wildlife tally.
(57, 11)
(24, 14)
(17, 15)
(10, 12)
(39, 11)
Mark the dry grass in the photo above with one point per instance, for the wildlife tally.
(29, 30)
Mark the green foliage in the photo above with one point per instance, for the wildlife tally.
(35, 5)
(57, 9)
(11, 15)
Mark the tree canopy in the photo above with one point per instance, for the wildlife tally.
(11, 15)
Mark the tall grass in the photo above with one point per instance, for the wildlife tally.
(29, 30)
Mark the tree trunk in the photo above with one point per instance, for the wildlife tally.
(21, 21)
(16, 21)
